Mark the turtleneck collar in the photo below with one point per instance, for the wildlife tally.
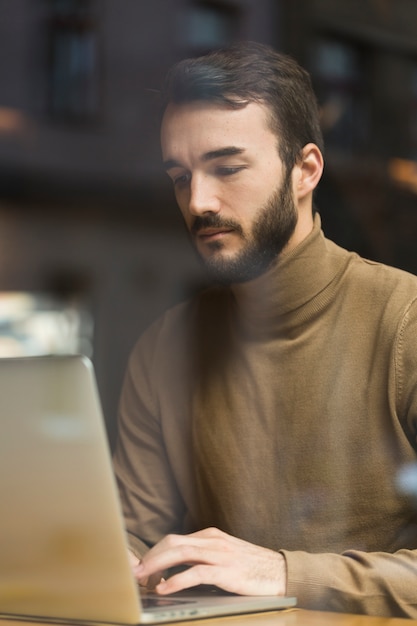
(295, 280)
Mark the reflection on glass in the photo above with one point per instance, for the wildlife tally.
(33, 324)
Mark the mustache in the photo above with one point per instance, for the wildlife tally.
(214, 221)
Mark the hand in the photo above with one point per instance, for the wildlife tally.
(214, 558)
(149, 582)
(133, 559)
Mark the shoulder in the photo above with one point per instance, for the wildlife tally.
(375, 282)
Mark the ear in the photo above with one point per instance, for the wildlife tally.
(308, 170)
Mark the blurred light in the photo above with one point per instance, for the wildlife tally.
(407, 480)
(404, 173)
(12, 121)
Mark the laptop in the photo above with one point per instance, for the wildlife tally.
(63, 550)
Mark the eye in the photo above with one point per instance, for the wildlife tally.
(229, 171)
(181, 180)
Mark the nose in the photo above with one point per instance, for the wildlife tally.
(203, 197)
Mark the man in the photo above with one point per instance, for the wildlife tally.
(264, 423)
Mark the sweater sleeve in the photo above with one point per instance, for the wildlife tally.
(151, 504)
(356, 582)
(405, 368)
(375, 583)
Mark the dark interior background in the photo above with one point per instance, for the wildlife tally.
(87, 218)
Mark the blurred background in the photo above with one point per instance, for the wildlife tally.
(92, 247)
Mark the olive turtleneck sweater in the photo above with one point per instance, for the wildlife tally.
(282, 411)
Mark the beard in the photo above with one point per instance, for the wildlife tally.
(269, 235)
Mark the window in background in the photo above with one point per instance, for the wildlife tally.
(73, 60)
(338, 74)
(208, 25)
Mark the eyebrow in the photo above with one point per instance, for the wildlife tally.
(208, 156)
(222, 152)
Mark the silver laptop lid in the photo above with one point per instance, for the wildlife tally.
(62, 544)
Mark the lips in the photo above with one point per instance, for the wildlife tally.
(211, 233)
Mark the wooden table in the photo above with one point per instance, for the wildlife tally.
(301, 617)
(290, 617)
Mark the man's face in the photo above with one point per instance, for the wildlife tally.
(230, 184)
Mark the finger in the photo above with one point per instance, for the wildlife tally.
(191, 577)
(149, 582)
(154, 581)
(178, 551)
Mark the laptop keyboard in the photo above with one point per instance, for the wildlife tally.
(156, 602)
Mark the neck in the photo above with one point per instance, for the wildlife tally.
(305, 224)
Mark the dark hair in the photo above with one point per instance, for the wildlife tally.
(253, 72)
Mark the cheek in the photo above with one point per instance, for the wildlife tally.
(245, 201)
